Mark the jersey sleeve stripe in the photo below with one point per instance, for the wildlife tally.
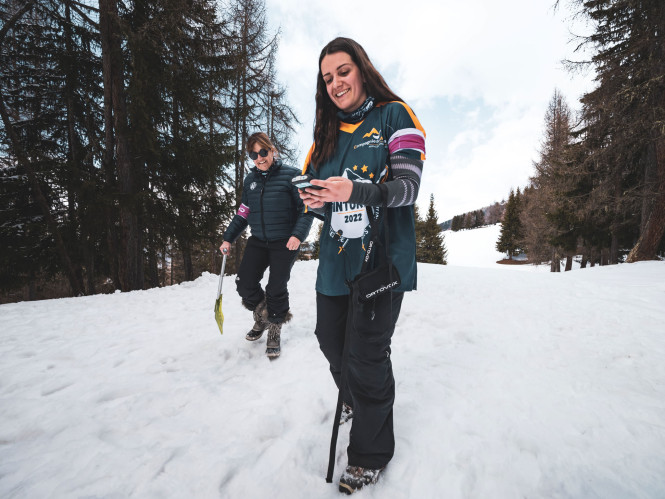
(418, 171)
(406, 141)
(407, 131)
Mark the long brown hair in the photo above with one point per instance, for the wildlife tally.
(326, 122)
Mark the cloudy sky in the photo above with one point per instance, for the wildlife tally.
(478, 74)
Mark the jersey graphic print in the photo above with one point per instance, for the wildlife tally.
(348, 220)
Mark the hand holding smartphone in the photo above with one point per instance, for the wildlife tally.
(303, 181)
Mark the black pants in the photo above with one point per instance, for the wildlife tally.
(371, 386)
(258, 256)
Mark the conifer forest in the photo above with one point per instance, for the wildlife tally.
(122, 137)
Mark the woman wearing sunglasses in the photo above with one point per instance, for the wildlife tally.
(273, 210)
(367, 144)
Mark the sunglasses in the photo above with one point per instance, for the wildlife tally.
(263, 153)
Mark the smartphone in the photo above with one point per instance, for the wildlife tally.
(303, 181)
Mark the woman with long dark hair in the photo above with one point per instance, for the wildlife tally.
(366, 140)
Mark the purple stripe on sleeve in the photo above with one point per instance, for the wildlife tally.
(243, 211)
(410, 141)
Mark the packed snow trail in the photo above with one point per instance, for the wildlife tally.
(510, 383)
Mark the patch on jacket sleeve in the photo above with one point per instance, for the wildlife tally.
(243, 211)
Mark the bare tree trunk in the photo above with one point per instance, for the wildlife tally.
(129, 255)
(32, 291)
(89, 258)
(109, 147)
(555, 264)
(171, 269)
(76, 233)
(614, 250)
(650, 237)
(163, 272)
(187, 263)
(153, 272)
(212, 187)
(569, 262)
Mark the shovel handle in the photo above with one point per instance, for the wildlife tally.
(221, 276)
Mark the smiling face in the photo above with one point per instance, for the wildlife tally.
(263, 163)
(343, 80)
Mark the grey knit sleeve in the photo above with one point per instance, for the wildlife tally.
(402, 189)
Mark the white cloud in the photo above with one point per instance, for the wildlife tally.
(468, 138)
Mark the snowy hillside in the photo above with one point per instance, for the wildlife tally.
(474, 248)
(509, 384)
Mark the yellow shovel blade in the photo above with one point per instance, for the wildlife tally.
(219, 316)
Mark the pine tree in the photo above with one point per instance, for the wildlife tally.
(178, 66)
(479, 218)
(550, 214)
(510, 238)
(430, 244)
(418, 220)
(456, 223)
(51, 121)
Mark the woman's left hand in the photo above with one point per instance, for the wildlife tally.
(293, 243)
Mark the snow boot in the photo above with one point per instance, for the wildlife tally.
(260, 314)
(273, 348)
(355, 477)
(347, 413)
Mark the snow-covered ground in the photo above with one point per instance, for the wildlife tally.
(474, 248)
(509, 384)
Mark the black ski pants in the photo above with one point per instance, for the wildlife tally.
(258, 256)
(370, 389)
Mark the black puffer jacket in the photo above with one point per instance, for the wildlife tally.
(271, 206)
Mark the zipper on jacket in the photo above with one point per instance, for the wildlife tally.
(263, 188)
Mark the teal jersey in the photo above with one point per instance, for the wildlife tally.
(362, 155)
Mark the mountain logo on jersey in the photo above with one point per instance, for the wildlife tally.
(371, 133)
(375, 139)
